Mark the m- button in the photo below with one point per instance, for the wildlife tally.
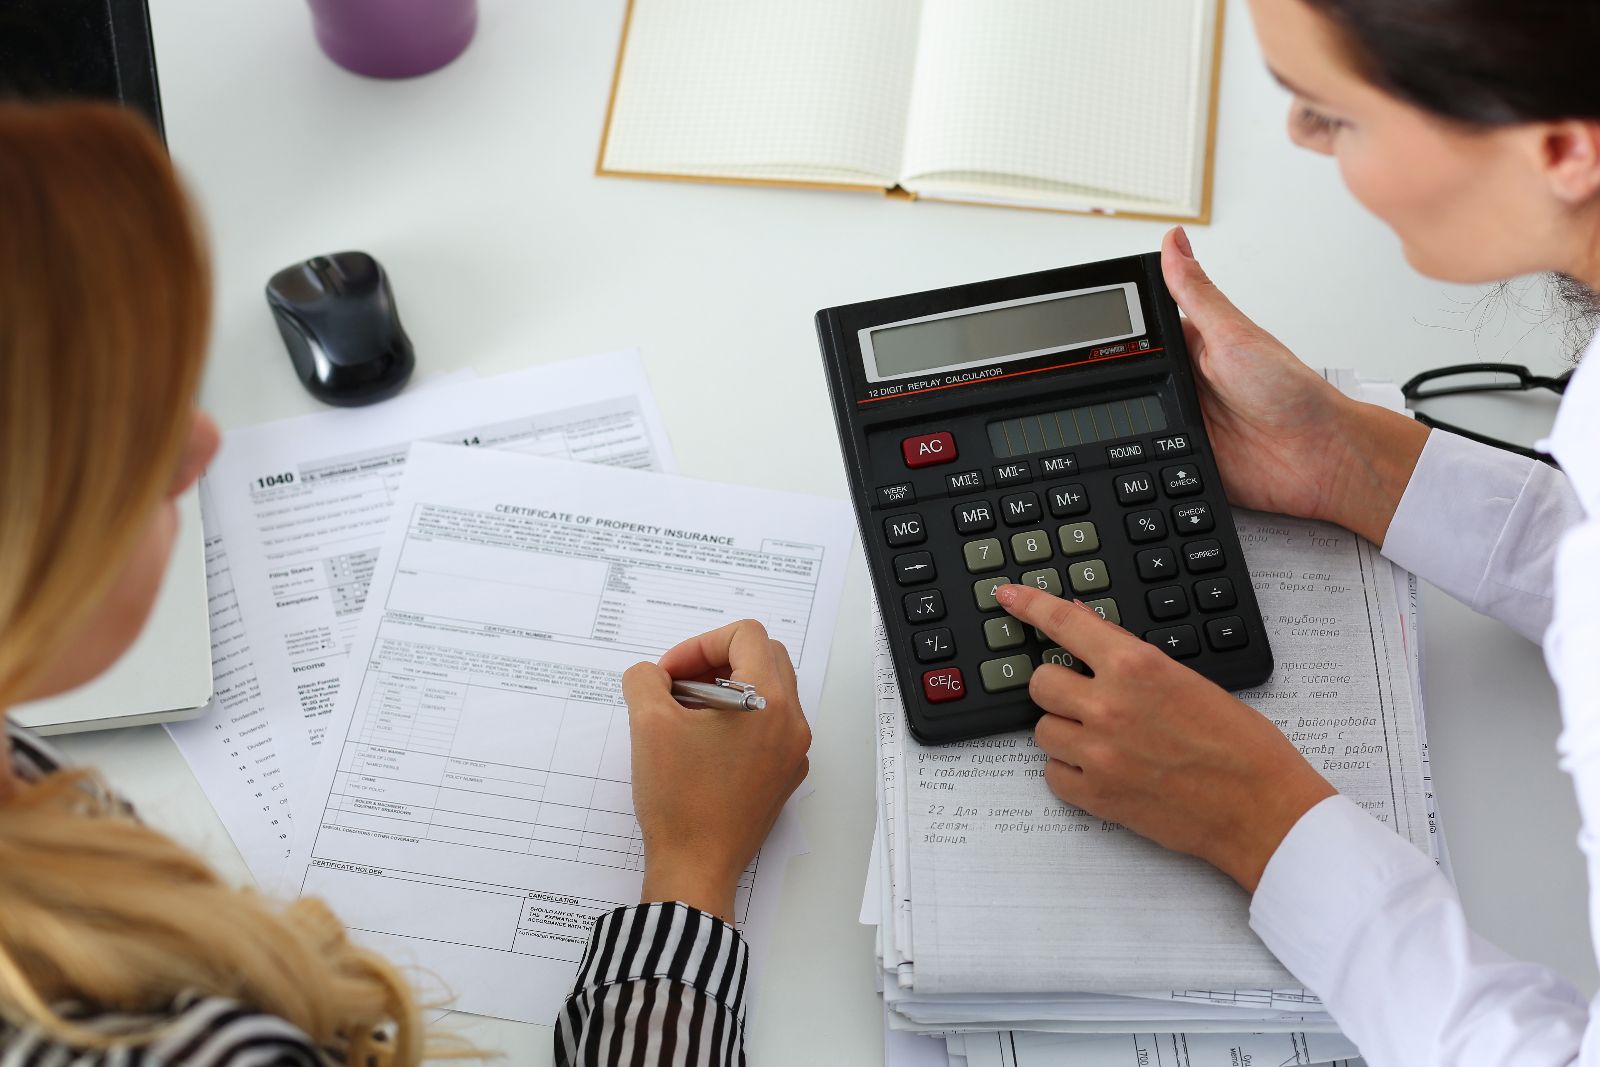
(928, 450)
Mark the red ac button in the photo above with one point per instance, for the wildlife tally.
(929, 450)
(943, 685)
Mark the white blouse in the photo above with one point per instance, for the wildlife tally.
(1359, 915)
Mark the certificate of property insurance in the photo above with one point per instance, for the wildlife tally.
(472, 800)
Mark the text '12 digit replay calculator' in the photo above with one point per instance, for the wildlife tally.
(1042, 429)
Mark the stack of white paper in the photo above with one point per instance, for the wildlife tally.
(1027, 933)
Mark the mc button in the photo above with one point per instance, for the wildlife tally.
(928, 450)
(902, 530)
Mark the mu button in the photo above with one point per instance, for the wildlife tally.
(928, 450)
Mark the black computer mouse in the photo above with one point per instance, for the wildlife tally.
(338, 319)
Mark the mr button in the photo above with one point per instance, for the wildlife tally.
(928, 450)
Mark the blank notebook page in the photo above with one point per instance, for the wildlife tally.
(1090, 95)
(765, 88)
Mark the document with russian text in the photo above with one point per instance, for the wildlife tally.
(472, 801)
(1013, 891)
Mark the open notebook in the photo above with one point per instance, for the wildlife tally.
(1071, 105)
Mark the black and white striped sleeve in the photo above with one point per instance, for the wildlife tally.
(201, 1032)
(659, 984)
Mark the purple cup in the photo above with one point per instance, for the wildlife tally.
(394, 38)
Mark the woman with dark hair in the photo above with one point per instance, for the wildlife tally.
(1471, 127)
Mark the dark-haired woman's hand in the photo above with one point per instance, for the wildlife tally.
(1152, 745)
(707, 784)
(1285, 439)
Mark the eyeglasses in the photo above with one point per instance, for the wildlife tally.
(1481, 378)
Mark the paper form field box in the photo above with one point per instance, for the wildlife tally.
(520, 829)
(514, 730)
(569, 790)
(612, 796)
(352, 818)
(415, 907)
(388, 763)
(489, 805)
(502, 587)
(479, 778)
(365, 792)
(610, 824)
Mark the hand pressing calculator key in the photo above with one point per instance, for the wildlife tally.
(1041, 429)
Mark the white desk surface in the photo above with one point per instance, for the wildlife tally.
(474, 187)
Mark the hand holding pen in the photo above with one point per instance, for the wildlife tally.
(724, 695)
(708, 784)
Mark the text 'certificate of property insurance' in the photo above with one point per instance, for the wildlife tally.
(473, 794)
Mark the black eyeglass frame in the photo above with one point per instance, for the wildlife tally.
(1524, 381)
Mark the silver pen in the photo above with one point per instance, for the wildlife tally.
(724, 695)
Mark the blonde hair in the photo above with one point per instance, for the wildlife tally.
(104, 305)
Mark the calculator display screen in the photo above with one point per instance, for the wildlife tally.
(1069, 427)
(1014, 331)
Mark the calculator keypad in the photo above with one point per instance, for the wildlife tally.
(1129, 532)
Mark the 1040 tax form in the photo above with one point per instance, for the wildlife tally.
(472, 803)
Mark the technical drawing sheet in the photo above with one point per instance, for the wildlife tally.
(302, 506)
(473, 795)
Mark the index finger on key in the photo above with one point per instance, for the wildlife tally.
(1076, 628)
(738, 646)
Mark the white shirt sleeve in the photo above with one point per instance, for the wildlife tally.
(1483, 524)
(1369, 924)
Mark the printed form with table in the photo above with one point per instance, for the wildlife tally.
(421, 610)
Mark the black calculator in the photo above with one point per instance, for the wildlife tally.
(1042, 429)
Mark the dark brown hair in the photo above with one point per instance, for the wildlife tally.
(1484, 62)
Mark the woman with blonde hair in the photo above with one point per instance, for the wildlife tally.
(118, 945)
